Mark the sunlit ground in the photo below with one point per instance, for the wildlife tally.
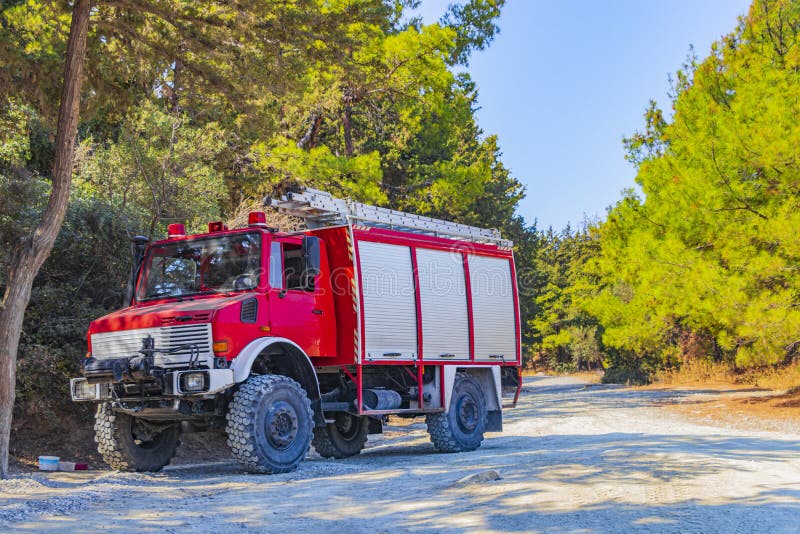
(571, 459)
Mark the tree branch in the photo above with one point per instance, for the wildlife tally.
(744, 204)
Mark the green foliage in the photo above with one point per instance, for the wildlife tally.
(83, 278)
(710, 252)
(563, 335)
(357, 176)
(474, 24)
(14, 140)
(160, 165)
(391, 124)
(190, 107)
(21, 192)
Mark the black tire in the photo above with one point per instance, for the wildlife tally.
(129, 444)
(461, 428)
(343, 438)
(270, 423)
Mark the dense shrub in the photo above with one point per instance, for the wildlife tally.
(83, 278)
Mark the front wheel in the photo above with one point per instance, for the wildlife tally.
(461, 428)
(344, 437)
(131, 444)
(270, 424)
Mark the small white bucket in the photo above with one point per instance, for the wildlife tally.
(48, 463)
(66, 466)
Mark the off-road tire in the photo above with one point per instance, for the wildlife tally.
(454, 432)
(113, 433)
(343, 438)
(275, 400)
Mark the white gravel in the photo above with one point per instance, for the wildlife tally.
(572, 458)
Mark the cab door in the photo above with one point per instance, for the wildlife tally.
(300, 306)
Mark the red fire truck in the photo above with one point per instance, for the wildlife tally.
(312, 337)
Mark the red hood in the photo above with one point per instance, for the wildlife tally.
(163, 313)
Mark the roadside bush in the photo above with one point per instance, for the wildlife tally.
(562, 367)
(82, 279)
(631, 376)
(622, 367)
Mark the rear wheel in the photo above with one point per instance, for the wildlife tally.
(461, 428)
(131, 444)
(270, 424)
(344, 437)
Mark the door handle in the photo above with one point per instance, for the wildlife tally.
(316, 311)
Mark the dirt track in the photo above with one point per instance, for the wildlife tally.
(572, 458)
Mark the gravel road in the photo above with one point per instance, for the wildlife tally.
(572, 458)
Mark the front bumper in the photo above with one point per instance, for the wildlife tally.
(201, 383)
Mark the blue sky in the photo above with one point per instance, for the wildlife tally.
(565, 80)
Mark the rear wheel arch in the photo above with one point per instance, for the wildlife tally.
(487, 376)
(488, 379)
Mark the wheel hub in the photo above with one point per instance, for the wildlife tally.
(281, 425)
(347, 425)
(467, 414)
(142, 432)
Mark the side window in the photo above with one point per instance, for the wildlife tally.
(275, 266)
(293, 266)
(286, 267)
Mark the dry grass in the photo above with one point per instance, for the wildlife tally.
(719, 374)
(769, 397)
(591, 377)
(754, 411)
(696, 374)
(281, 221)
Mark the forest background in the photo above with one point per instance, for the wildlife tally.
(192, 111)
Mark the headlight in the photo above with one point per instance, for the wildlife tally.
(82, 390)
(193, 382)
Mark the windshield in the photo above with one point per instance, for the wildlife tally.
(203, 265)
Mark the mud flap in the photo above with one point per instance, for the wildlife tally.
(494, 421)
(375, 425)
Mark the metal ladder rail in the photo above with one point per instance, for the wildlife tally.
(319, 208)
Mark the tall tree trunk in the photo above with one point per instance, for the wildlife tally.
(349, 98)
(309, 139)
(347, 127)
(177, 80)
(34, 250)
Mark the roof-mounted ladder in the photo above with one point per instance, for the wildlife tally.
(318, 209)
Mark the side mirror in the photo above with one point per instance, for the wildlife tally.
(138, 247)
(311, 257)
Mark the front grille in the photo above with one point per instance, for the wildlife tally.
(125, 343)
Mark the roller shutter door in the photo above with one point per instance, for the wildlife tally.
(493, 308)
(389, 306)
(443, 304)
